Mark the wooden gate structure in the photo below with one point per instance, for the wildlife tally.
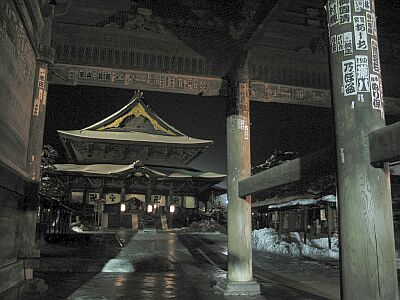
(268, 51)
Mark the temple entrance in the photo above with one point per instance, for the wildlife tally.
(119, 220)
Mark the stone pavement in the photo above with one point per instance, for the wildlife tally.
(294, 278)
(315, 277)
(159, 266)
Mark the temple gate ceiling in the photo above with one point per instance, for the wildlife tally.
(188, 46)
(213, 33)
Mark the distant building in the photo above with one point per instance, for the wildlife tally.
(130, 161)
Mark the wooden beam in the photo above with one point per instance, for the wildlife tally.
(319, 163)
(285, 93)
(66, 74)
(273, 15)
(384, 145)
(278, 200)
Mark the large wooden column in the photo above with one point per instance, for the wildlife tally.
(36, 130)
(368, 269)
(27, 248)
(240, 275)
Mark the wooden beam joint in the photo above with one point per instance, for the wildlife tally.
(319, 163)
(384, 145)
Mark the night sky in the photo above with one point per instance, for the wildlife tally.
(273, 126)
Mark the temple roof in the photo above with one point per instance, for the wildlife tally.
(123, 136)
(136, 170)
(133, 122)
(132, 133)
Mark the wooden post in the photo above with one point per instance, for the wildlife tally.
(239, 166)
(36, 130)
(123, 194)
(305, 221)
(240, 275)
(329, 217)
(122, 214)
(315, 220)
(368, 266)
(84, 193)
(148, 194)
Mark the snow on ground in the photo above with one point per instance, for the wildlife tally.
(118, 265)
(205, 226)
(308, 201)
(323, 243)
(294, 203)
(328, 198)
(267, 239)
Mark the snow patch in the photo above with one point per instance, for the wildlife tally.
(267, 239)
(323, 243)
(302, 202)
(205, 226)
(294, 203)
(118, 265)
(328, 198)
(316, 253)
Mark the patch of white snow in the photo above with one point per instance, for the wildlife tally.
(294, 203)
(328, 198)
(267, 239)
(118, 265)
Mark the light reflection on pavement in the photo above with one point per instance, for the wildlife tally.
(167, 265)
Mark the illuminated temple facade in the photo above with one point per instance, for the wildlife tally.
(135, 162)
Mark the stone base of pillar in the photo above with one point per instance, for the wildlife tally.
(26, 289)
(237, 288)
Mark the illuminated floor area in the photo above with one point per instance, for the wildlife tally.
(168, 265)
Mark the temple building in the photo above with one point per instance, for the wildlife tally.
(132, 164)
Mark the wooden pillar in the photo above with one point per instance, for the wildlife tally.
(169, 214)
(330, 223)
(123, 194)
(148, 194)
(329, 219)
(305, 221)
(121, 214)
(212, 202)
(239, 167)
(368, 268)
(36, 130)
(84, 193)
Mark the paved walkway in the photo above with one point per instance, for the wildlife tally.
(159, 266)
(285, 274)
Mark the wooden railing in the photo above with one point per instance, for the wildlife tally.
(54, 217)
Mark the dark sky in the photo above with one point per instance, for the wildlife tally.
(274, 126)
